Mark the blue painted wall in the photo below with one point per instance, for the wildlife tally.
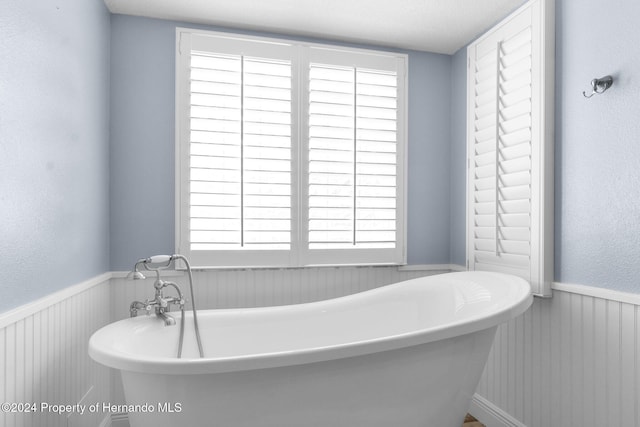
(429, 155)
(597, 188)
(142, 145)
(87, 182)
(54, 136)
(142, 139)
(458, 165)
(598, 145)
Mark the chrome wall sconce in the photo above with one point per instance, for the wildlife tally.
(599, 86)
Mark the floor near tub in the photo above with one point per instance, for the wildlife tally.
(469, 421)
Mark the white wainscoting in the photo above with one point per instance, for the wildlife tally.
(43, 356)
(267, 287)
(571, 360)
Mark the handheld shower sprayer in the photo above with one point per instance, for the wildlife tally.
(160, 259)
(135, 274)
(157, 263)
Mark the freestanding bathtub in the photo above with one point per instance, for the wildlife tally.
(408, 355)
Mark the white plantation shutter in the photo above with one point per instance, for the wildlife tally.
(510, 218)
(236, 150)
(352, 158)
(261, 120)
(240, 148)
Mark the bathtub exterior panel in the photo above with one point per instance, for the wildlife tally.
(408, 387)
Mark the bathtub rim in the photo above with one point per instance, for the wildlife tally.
(194, 366)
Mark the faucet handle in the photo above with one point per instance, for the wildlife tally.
(173, 300)
(138, 306)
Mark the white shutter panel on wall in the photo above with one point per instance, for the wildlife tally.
(510, 216)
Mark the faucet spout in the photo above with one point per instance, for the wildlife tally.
(168, 320)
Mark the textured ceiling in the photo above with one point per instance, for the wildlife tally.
(441, 26)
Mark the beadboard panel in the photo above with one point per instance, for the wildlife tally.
(43, 358)
(571, 360)
(265, 287)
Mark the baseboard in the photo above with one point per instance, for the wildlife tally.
(490, 415)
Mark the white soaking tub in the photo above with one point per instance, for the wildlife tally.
(408, 355)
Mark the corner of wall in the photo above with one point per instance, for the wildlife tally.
(457, 163)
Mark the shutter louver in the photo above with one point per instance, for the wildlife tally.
(240, 152)
(507, 227)
(502, 155)
(352, 158)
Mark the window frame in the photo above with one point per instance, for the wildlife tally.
(298, 255)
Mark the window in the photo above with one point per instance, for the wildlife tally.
(288, 154)
(510, 148)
